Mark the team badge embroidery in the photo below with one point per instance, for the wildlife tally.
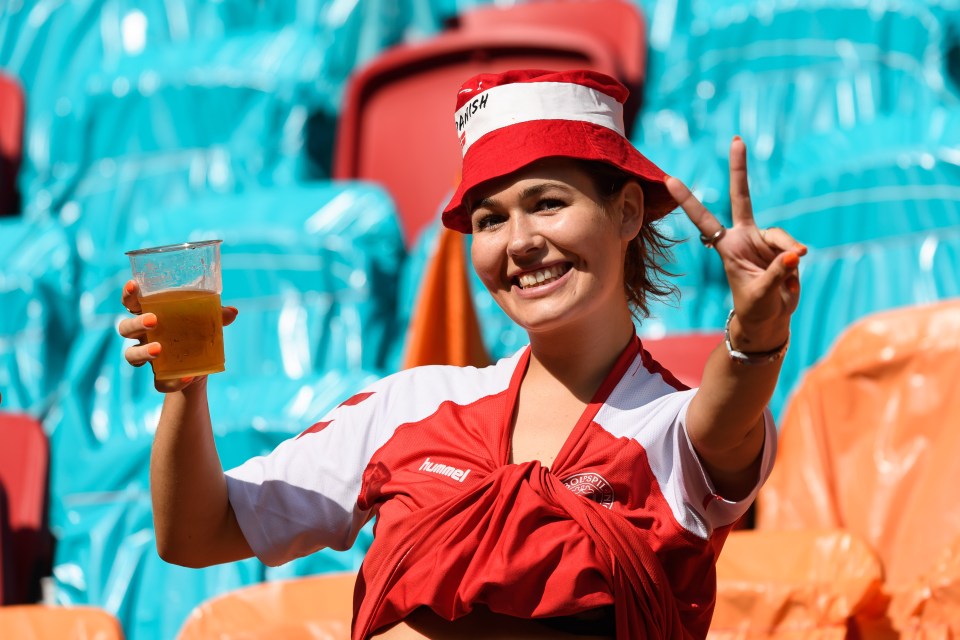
(592, 486)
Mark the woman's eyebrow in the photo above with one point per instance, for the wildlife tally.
(538, 189)
(486, 203)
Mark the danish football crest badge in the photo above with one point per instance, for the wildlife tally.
(592, 486)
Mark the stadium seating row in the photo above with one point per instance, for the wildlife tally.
(229, 107)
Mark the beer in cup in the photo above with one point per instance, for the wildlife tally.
(181, 285)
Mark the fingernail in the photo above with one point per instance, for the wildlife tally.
(129, 287)
(234, 309)
(154, 349)
(801, 249)
(149, 321)
(790, 259)
(737, 137)
(187, 380)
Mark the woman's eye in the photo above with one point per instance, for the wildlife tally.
(487, 220)
(547, 204)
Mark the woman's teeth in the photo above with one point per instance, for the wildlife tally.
(541, 277)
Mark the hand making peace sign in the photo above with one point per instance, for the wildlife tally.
(761, 264)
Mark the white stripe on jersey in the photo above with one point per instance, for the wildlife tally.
(654, 414)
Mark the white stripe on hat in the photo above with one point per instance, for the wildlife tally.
(509, 104)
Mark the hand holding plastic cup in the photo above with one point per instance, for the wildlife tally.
(181, 285)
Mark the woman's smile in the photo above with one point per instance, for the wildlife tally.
(538, 281)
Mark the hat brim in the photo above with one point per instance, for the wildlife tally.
(509, 149)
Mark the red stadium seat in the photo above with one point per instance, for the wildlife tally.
(684, 355)
(24, 458)
(11, 142)
(617, 23)
(6, 573)
(396, 126)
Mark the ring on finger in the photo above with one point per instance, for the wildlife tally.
(713, 239)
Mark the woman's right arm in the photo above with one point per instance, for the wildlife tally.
(194, 522)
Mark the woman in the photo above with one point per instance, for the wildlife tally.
(571, 490)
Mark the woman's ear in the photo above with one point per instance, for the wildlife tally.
(631, 198)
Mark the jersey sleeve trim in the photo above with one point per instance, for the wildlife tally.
(715, 510)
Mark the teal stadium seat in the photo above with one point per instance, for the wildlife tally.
(37, 316)
(97, 39)
(312, 269)
(849, 90)
(881, 219)
(775, 72)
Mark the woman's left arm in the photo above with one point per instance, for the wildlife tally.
(725, 418)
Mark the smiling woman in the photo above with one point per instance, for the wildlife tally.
(575, 489)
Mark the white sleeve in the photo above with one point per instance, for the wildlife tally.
(699, 492)
(654, 414)
(303, 495)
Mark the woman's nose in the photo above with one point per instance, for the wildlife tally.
(524, 237)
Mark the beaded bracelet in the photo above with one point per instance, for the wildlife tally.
(740, 357)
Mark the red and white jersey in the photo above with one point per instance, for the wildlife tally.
(428, 435)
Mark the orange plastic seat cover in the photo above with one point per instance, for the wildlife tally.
(794, 584)
(314, 608)
(444, 328)
(929, 608)
(869, 441)
(42, 622)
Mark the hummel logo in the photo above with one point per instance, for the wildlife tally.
(441, 469)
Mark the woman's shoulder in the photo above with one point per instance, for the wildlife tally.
(460, 384)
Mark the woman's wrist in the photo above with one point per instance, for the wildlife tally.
(756, 339)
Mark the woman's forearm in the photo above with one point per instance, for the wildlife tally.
(195, 525)
(725, 418)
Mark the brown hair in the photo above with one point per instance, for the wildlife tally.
(644, 270)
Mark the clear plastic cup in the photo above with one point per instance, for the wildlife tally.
(181, 284)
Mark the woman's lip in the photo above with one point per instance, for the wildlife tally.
(539, 268)
(543, 289)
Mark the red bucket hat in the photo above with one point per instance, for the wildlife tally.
(507, 120)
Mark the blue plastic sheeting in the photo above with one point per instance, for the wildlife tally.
(313, 271)
(106, 551)
(37, 318)
(262, 97)
(923, 193)
(715, 42)
(901, 139)
(807, 66)
(846, 283)
(127, 45)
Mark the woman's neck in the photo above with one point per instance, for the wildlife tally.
(579, 358)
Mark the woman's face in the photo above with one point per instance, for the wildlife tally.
(548, 251)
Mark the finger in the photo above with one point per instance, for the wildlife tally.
(741, 206)
(136, 327)
(784, 267)
(792, 283)
(229, 315)
(141, 354)
(131, 296)
(702, 219)
(778, 239)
